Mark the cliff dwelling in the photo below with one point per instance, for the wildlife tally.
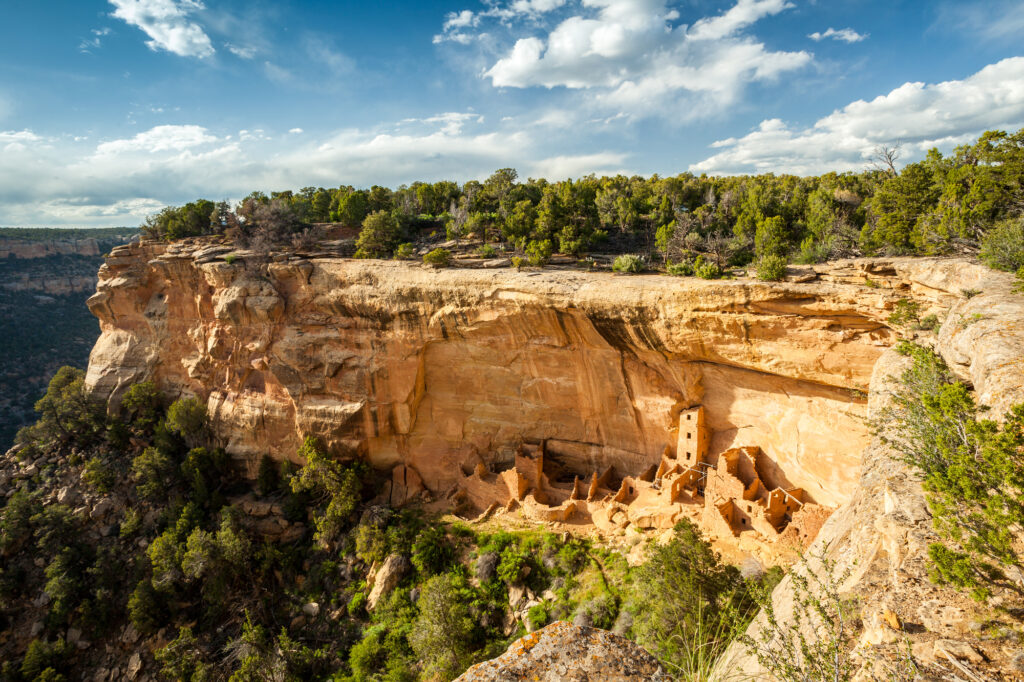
(722, 492)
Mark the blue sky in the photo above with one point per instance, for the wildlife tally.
(110, 109)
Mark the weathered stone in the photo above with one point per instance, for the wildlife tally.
(134, 666)
(562, 652)
(391, 572)
(959, 650)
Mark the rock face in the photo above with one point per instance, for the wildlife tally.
(562, 652)
(881, 536)
(442, 370)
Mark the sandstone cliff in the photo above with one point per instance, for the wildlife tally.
(880, 537)
(441, 370)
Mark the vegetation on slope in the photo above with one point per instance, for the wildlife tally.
(969, 200)
(137, 533)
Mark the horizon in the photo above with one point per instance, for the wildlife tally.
(133, 105)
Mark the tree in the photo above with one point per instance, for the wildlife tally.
(443, 629)
(379, 236)
(333, 487)
(187, 417)
(66, 412)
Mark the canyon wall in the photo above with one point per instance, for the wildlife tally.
(443, 369)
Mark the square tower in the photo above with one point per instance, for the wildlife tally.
(692, 446)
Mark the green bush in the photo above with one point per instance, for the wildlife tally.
(155, 474)
(973, 472)
(537, 616)
(45, 659)
(771, 268)
(438, 258)
(486, 251)
(628, 263)
(684, 269)
(187, 417)
(905, 313)
(432, 551)
(333, 488)
(267, 476)
(444, 628)
(405, 251)
(517, 262)
(379, 236)
(538, 252)
(99, 475)
(1003, 247)
(706, 269)
(143, 405)
(687, 604)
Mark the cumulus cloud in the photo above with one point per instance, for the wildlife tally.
(456, 23)
(47, 181)
(167, 24)
(95, 41)
(847, 35)
(919, 115)
(634, 56)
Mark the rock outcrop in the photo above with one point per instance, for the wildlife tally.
(562, 652)
(880, 537)
(442, 370)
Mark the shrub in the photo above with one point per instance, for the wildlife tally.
(405, 251)
(438, 258)
(538, 252)
(687, 604)
(98, 475)
(66, 412)
(486, 251)
(187, 417)
(443, 629)
(155, 473)
(357, 605)
(905, 313)
(267, 476)
(1003, 246)
(684, 269)
(331, 486)
(517, 262)
(181, 659)
(771, 268)
(230, 259)
(432, 551)
(973, 472)
(143, 404)
(512, 564)
(537, 616)
(706, 269)
(45, 659)
(628, 263)
(380, 234)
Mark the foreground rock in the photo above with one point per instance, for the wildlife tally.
(562, 652)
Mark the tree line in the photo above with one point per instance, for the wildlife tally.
(970, 200)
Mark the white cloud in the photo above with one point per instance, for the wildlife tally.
(242, 52)
(999, 20)
(847, 35)
(453, 29)
(96, 41)
(167, 24)
(919, 115)
(46, 181)
(295, 131)
(634, 58)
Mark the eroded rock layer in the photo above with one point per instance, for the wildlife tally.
(444, 370)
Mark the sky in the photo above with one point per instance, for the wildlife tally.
(112, 109)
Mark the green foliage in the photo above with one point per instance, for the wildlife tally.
(771, 268)
(155, 473)
(486, 251)
(381, 233)
(44, 659)
(513, 563)
(181, 659)
(143, 405)
(706, 269)
(684, 269)
(438, 258)
(517, 262)
(191, 220)
(334, 488)
(432, 551)
(98, 475)
(905, 313)
(443, 629)
(405, 251)
(66, 412)
(1003, 246)
(687, 604)
(539, 252)
(187, 417)
(815, 641)
(628, 263)
(973, 472)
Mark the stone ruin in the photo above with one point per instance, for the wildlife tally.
(726, 497)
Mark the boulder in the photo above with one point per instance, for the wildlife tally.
(562, 652)
(389, 575)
